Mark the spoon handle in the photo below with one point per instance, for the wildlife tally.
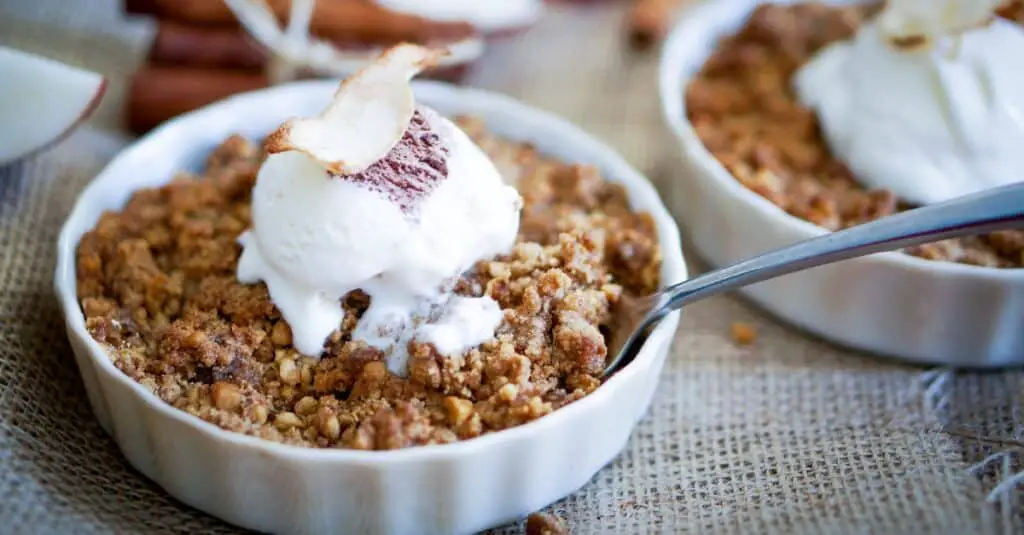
(996, 209)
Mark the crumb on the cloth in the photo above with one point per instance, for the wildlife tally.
(545, 524)
(743, 333)
(649, 20)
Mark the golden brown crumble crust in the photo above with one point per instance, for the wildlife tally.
(744, 110)
(157, 284)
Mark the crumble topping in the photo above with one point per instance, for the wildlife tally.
(156, 283)
(744, 110)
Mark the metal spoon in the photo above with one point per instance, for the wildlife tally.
(996, 209)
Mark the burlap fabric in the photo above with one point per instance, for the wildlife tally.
(788, 436)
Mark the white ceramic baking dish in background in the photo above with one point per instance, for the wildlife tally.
(456, 488)
(890, 303)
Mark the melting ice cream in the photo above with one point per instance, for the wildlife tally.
(384, 195)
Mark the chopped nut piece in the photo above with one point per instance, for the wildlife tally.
(259, 414)
(306, 374)
(508, 392)
(328, 423)
(287, 420)
(288, 372)
(305, 406)
(459, 410)
(226, 396)
(282, 334)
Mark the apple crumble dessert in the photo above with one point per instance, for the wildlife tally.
(157, 283)
(745, 109)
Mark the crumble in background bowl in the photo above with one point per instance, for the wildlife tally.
(455, 488)
(929, 312)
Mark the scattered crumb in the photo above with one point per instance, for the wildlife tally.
(545, 524)
(649, 20)
(743, 333)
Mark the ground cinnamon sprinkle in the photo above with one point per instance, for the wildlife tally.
(744, 110)
(156, 283)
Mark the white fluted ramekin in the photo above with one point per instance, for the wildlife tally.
(456, 488)
(890, 303)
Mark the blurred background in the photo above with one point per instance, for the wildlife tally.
(593, 62)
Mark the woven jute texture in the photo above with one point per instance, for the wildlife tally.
(789, 435)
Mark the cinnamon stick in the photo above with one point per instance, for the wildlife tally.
(1012, 10)
(160, 93)
(350, 21)
(650, 20)
(200, 46)
(199, 12)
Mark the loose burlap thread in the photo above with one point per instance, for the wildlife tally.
(790, 435)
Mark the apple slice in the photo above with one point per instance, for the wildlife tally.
(41, 102)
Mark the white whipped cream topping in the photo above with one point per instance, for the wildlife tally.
(930, 123)
(487, 15)
(317, 238)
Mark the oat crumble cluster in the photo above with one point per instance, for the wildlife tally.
(744, 110)
(157, 284)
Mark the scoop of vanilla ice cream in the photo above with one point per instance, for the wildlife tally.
(402, 230)
(485, 15)
(930, 123)
(315, 238)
